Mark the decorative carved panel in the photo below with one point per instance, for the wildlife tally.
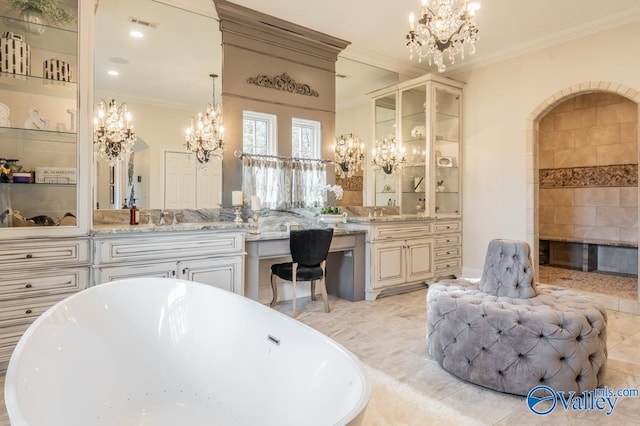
(283, 82)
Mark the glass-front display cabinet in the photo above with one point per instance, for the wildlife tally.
(40, 184)
(428, 127)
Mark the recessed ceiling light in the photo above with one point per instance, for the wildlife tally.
(113, 73)
(136, 34)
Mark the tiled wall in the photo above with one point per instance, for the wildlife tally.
(588, 151)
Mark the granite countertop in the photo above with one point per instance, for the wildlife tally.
(265, 234)
(117, 228)
(389, 218)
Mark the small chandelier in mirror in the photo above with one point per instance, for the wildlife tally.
(204, 137)
(348, 155)
(388, 156)
(445, 29)
(113, 135)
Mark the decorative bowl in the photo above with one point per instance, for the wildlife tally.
(333, 219)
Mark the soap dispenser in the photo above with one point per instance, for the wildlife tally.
(134, 214)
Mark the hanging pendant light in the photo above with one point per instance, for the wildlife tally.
(348, 155)
(204, 136)
(113, 135)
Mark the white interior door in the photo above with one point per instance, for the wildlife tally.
(209, 186)
(179, 181)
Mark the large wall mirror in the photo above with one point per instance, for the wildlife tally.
(163, 77)
(163, 54)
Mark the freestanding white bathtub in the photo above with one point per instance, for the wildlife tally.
(156, 351)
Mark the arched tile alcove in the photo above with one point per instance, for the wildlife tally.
(532, 168)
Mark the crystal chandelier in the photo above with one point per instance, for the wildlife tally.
(204, 138)
(387, 155)
(349, 155)
(113, 135)
(444, 29)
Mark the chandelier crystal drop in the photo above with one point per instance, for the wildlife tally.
(388, 156)
(445, 29)
(204, 136)
(348, 155)
(113, 135)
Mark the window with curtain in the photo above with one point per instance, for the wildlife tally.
(282, 182)
(306, 141)
(261, 177)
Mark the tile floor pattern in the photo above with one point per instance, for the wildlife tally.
(593, 282)
(389, 335)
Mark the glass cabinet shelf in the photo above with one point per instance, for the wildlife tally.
(53, 39)
(21, 134)
(37, 85)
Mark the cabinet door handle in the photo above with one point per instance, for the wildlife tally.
(184, 271)
(28, 286)
(173, 273)
(29, 256)
(28, 311)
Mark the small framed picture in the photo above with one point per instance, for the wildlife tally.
(444, 161)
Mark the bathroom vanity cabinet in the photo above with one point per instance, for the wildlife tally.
(406, 252)
(36, 274)
(210, 257)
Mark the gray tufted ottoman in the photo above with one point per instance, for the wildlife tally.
(503, 334)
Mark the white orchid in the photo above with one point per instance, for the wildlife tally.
(336, 189)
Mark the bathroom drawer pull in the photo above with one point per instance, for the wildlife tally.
(28, 311)
(29, 256)
(173, 273)
(28, 286)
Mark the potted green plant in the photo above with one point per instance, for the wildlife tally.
(36, 13)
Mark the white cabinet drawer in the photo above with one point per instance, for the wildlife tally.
(448, 240)
(9, 337)
(447, 252)
(447, 265)
(41, 283)
(448, 226)
(134, 249)
(44, 253)
(397, 232)
(25, 311)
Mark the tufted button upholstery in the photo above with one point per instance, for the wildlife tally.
(508, 270)
(512, 344)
